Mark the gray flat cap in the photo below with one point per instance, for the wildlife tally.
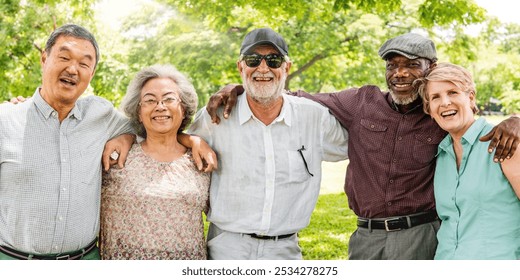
(411, 46)
(264, 36)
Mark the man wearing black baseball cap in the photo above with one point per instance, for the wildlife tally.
(263, 36)
(270, 168)
(392, 146)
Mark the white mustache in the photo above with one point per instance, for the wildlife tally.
(260, 75)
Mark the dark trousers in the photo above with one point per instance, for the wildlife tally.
(416, 243)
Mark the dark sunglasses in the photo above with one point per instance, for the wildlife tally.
(272, 60)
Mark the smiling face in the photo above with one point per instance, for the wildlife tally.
(262, 83)
(67, 70)
(451, 107)
(163, 118)
(401, 72)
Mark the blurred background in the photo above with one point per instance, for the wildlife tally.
(333, 43)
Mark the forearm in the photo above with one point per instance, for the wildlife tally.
(185, 139)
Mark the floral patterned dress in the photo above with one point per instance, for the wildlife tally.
(153, 210)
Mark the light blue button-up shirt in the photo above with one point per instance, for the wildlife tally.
(50, 173)
(479, 209)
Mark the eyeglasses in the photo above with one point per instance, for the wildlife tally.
(152, 102)
(272, 60)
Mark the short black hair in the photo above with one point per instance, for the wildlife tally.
(75, 31)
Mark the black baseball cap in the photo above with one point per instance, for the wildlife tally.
(264, 36)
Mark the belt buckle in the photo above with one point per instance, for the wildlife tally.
(64, 257)
(386, 224)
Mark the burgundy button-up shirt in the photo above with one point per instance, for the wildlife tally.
(392, 154)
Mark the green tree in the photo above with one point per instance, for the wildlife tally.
(333, 44)
(24, 27)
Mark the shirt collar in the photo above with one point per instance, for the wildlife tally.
(46, 109)
(470, 136)
(245, 113)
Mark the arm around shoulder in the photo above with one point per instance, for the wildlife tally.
(505, 138)
(205, 158)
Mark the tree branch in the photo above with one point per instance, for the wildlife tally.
(311, 62)
(38, 48)
(306, 66)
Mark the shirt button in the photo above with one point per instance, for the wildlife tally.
(60, 218)
(391, 181)
(389, 203)
(429, 139)
(372, 126)
(394, 160)
(399, 138)
(64, 189)
(55, 247)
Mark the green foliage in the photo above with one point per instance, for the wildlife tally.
(24, 27)
(447, 12)
(510, 101)
(333, 44)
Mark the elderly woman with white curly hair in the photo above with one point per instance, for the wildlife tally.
(152, 208)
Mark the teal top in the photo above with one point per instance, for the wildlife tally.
(479, 210)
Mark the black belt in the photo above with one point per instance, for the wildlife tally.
(398, 223)
(69, 256)
(265, 237)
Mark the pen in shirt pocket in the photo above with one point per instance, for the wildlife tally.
(304, 161)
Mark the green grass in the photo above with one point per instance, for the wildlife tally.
(332, 222)
(327, 236)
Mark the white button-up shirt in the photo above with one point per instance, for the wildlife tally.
(262, 185)
(50, 173)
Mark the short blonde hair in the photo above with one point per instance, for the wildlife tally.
(446, 72)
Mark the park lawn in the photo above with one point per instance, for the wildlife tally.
(327, 236)
(332, 222)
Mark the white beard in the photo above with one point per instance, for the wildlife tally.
(399, 100)
(264, 93)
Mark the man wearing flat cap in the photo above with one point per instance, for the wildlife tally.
(268, 182)
(392, 147)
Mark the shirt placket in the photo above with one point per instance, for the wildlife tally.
(269, 180)
(64, 193)
(394, 162)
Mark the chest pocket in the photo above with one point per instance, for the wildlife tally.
(372, 134)
(297, 170)
(425, 147)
